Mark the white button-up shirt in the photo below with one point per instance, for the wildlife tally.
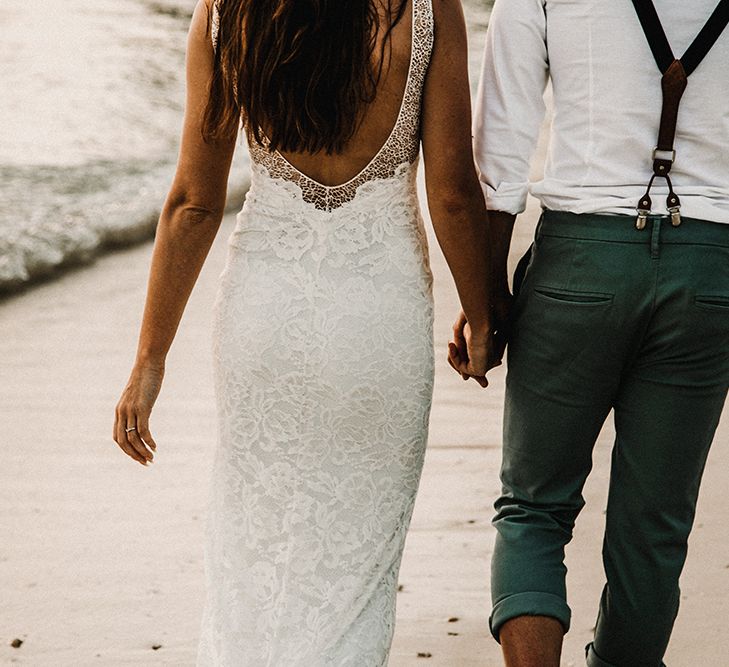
(607, 107)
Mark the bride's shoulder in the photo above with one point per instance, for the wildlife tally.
(207, 11)
(205, 21)
(448, 18)
(447, 14)
(208, 7)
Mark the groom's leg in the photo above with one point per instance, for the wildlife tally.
(532, 641)
(660, 450)
(581, 304)
(666, 414)
(548, 441)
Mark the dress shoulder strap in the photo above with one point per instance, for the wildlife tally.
(423, 37)
(403, 144)
(215, 23)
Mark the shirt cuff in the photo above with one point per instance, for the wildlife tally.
(507, 197)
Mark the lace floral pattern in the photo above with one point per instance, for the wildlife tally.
(323, 358)
(215, 23)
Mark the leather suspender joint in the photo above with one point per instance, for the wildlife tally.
(673, 84)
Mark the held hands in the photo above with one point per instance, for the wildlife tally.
(471, 353)
(131, 425)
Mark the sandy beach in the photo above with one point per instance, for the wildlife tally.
(101, 560)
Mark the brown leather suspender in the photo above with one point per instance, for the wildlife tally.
(675, 78)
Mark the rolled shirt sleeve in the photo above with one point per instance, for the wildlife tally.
(510, 101)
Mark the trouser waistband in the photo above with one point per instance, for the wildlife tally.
(621, 228)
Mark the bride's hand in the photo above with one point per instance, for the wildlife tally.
(131, 425)
(470, 353)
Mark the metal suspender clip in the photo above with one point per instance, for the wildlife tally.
(644, 210)
(673, 204)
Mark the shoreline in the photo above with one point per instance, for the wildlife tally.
(51, 259)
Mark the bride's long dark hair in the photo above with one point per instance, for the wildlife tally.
(299, 70)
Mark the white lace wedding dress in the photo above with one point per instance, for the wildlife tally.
(323, 359)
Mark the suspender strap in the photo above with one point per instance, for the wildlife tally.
(655, 34)
(700, 47)
(673, 84)
(706, 39)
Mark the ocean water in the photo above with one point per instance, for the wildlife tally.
(91, 102)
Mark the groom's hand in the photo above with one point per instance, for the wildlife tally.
(470, 351)
(473, 354)
(457, 348)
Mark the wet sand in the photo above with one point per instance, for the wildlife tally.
(101, 560)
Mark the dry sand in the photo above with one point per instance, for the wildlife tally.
(101, 560)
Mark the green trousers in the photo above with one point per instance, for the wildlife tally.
(611, 318)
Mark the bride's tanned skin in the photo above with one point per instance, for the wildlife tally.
(189, 222)
(194, 207)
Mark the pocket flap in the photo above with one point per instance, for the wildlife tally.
(573, 296)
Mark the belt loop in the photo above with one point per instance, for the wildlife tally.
(540, 223)
(656, 238)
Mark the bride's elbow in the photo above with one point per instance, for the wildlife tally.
(455, 199)
(183, 209)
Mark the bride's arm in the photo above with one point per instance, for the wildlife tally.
(455, 198)
(188, 224)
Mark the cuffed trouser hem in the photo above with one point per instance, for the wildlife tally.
(594, 660)
(529, 604)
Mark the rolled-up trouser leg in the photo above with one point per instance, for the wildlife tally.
(565, 358)
(537, 510)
